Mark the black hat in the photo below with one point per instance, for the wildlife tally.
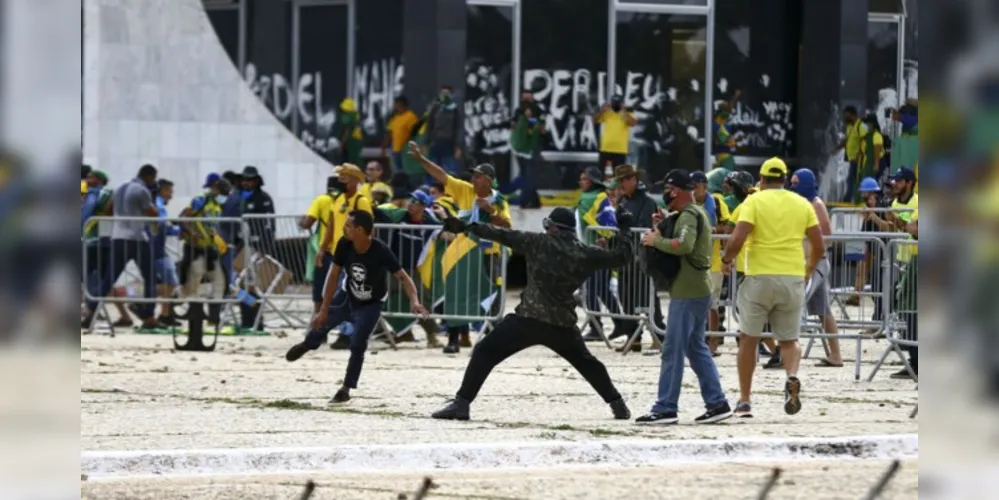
(486, 170)
(904, 174)
(593, 174)
(250, 172)
(679, 178)
(698, 177)
(562, 218)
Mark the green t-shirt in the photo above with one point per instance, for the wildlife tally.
(350, 123)
(526, 138)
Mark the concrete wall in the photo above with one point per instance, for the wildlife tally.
(159, 88)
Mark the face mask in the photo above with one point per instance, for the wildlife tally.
(616, 106)
(668, 197)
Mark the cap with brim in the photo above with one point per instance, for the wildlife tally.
(211, 179)
(699, 177)
(351, 170)
(624, 171)
(421, 198)
(100, 174)
(593, 174)
(381, 187)
(486, 170)
(904, 174)
(774, 167)
(679, 178)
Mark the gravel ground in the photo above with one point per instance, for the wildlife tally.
(807, 480)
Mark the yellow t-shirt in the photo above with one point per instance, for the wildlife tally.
(321, 209)
(854, 137)
(401, 127)
(342, 205)
(464, 196)
(723, 218)
(906, 251)
(740, 261)
(614, 132)
(780, 219)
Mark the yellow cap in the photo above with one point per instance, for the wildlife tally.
(381, 187)
(774, 167)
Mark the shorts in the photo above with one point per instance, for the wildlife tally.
(817, 291)
(319, 278)
(166, 272)
(717, 280)
(774, 299)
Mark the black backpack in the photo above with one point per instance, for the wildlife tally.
(664, 267)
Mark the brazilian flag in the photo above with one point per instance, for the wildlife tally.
(460, 279)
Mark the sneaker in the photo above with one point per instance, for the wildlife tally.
(451, 348)
(342, 343)
(716, 414)
(774, 362)
(902, 374)
(658, 418)
(592, 335)
(455, 409)
(341, 396)
(743, 410)
(296, 351)
(792, 389)
(620, 409)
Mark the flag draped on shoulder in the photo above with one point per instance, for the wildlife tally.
(594, 209)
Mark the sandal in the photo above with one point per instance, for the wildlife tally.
(825, 363)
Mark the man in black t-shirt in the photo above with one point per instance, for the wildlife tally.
(368, 263)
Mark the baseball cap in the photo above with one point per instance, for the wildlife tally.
(486, 170)
(679, 178)
(774, 167)
(421, 198)
(211, 179)
(698, 177)
(100, 174)
(904, 174)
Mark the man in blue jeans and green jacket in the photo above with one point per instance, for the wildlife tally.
(690, 301)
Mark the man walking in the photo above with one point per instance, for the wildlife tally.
(368, 262)
(690, 300)
(771, 224)
(557, 264)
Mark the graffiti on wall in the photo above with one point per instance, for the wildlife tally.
(316, 116)
(487, 111)
(764, 125)
(376, 85)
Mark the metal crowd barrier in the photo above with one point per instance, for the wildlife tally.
(628, 294)
(902, 317)
(141, 254)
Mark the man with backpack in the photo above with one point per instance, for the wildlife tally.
(686, 237)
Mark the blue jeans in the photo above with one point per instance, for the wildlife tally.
(687, 319)
(364, 318)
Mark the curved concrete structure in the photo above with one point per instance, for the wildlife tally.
(159, 88)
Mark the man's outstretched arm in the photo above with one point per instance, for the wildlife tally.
(518, 241)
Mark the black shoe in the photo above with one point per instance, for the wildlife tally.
(763, 349)
(406, 337)
(620, 409)
(658, 418)
(451, 348)
(86, 321)
(792, 391)
(902, 374)
(342, 343)
(635, 347)
(716, 414)
(168, 320)
(618, 333)
(297, 351)
(592, 335)
(774, 362)
(341, 396)
(455, 409)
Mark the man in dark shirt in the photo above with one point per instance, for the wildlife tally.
(368, 262)
(557, 264)
(526, 130)
(256, 201)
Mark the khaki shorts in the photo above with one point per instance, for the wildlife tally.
(774, 299)
(717, 279)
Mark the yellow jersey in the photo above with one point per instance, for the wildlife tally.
(854, 137)
(780, 219)
(716, 246)
(321, 209)
(907, 251)
(614, 131)
(342, 206)
(401, 128)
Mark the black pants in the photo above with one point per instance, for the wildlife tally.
(516, 333)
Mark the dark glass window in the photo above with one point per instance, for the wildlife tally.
(885, 6)
(488, 81)
(226, 24)
(661, 61)
(882, 70)
(268, 56)
(668, 2)
(378, 70)
(322, 74)
(756, 52)
(564, 61)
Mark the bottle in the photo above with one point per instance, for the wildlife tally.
(608, 171)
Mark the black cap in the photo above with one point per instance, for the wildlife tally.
(594, 175)
(698, 177)
(904, 174)
(679, 178)
(486, 170)
(561, 217)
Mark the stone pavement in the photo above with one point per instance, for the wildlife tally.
(816, 480)
(136, 393)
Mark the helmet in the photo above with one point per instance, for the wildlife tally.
(740, 180)
(869, 185)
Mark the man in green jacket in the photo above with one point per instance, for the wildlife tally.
(690, 300)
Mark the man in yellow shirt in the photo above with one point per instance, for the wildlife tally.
(320, 214)
(774, 288)
(855, 133)
(615, 131)
(399, 130)
(350, 199)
